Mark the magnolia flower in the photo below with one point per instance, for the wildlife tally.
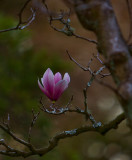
(53, 85)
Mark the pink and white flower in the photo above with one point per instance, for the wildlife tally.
(53, 85)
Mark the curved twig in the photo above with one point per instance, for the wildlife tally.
(22, 25)
(55, 140)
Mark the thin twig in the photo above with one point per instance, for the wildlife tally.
(8, 148)
(59, 111)
(67, 29)
(20, 25)
(54, 141)
(98, 72)
(84, 38)
(8, 131)
(98, 58)
(79, 65)
(35, 117)
(74, 132)
(93, 76)
(87, 111)
(104, 75)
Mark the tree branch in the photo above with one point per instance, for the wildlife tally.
(99, 17)
(64, 19)
(53, 142)
(22, 25)
(75, 132)
(35, 117)
(8, 131)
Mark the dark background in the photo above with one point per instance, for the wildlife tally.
(26, 54)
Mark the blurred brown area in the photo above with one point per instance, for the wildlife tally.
(116, 144)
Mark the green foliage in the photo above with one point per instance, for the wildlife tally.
(20, 68)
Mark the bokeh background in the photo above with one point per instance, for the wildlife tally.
(26, 54)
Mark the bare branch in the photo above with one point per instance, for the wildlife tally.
(93, 77)
(2, 142)
(74, 132)
(79, 65)
(9, 150)
(58, 111)
(98, 72)
(84, 38)
(98, 58)
(35, 117)
(88, 112)
(104, 75)
(54, 141)
(67, 29)
(22, 25)
(106, 48)
(8, 131)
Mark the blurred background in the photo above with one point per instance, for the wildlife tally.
(24, 57)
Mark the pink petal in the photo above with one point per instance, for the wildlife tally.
(57, 77)
(59, 89)
(44, 90)
(48, 81)
(66, 77)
